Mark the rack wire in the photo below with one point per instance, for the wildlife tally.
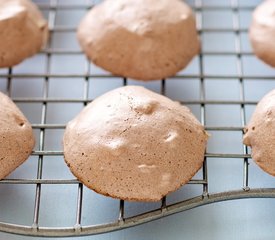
(164, 208)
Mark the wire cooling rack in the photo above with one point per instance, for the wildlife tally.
(226, 64)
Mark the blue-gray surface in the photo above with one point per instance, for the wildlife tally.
(239, 219)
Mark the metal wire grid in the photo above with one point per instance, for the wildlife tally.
(164, 208)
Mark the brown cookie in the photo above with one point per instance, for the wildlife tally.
(144, 40)
(260, 133)
(134, 144)
(23, 31)
(262, 32)
(16, 137)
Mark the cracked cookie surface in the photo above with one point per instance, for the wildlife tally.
(134, 144)
(16, 136)
(260, 133)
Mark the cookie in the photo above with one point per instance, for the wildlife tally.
(260, 133)
(23, 31)
(143, 40)
(262, 32)
(134, 144)
(16, 137)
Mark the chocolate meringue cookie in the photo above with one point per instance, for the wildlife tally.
(143, 40)
(16, 137)
(23, 31)
(260, 133)
(262, 32)
(134, 144)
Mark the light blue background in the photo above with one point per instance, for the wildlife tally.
(244, 219)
